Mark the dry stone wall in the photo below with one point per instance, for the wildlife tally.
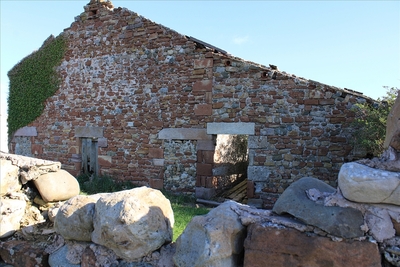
(134, 79)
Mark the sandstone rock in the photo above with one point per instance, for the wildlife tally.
(133, 222)
(12, 211)
(23, 253)
(74, 219)
(279, 246)
(393, 126)
(363, 184)
(57, 186)
(337, 221)
(215, 239)
(9, 177)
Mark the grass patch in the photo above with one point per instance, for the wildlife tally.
(185, 209)
(184, 206)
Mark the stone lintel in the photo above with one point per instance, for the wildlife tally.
(26, 131)
(231, 128)
(91, 131)
(184, 134)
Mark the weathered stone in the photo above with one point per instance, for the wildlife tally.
(9, 177)
(215, 239)
(74, 220)
(380, 219)
(337, 221)
(278, 246)
(62, 257)
(31, 168)
(363, 184)
(12, 211)
(57, 186)
(96, 255)
(23, 253)
(133, 222)
(258, 173)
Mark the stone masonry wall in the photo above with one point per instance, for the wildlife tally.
(133, 79)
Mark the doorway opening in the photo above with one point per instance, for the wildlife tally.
(231, 159)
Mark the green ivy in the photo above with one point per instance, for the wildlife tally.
(32, 81)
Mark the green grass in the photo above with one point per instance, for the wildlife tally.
(185, 209)
(184, 206)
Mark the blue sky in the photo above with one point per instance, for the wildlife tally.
(348, 44)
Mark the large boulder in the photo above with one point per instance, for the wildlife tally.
(12, 211)
(215, 239)
(57, 186)
(337, 221)
(133, 222)
(268, 245)
(9, 177)
(74, 219)
(363, 184)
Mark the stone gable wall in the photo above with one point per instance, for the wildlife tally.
(135, 78)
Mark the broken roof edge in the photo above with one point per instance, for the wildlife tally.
(293, 76)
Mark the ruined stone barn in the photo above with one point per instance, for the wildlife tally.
(141, 102)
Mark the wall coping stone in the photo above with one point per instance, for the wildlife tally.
(231, 128)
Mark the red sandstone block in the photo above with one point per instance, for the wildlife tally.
(157, 153)
(208, 156)
(303, 119)
(310, 101)
(36, 149)
(317, 132)
(338, 139)
(287, 120)
(157, 183)
(204, 85)
(250, 189)
(337, 120)
(217, 105)
(204, 169)
(203, 109)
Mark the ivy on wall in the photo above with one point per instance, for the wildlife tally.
(32, 81)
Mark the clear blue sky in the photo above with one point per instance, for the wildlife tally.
(348, 44)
